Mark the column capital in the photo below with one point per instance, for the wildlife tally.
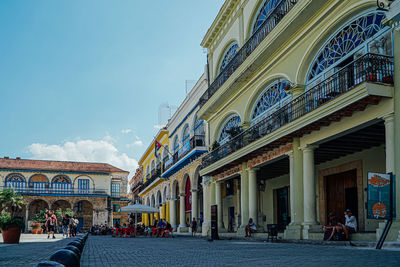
(252, 169)
(307, 148)
(195, 190)
(182, 194)
(388, 117)
(206, 180)
(289, 154)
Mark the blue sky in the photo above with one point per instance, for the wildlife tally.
(82, 80)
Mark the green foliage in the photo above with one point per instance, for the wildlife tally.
(10, 202)
(7, 221)
(60, 213)
(35, 225)
(40, 217)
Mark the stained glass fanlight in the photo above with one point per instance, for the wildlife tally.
(345, 41)
(267, 7)
(232, 121)
(186, 133)
(269, 98)
(228, 55)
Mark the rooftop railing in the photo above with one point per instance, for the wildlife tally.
(371, 68)
(258, 36)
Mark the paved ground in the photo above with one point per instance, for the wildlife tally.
(31, 250)
(107, 251)
(183, 251)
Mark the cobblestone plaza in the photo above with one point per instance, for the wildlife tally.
(184, 251)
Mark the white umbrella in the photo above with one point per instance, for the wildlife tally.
(138, 208)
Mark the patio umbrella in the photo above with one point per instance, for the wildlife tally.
(138, 208)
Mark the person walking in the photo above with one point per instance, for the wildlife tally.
(65, 225)
(194, 226)
(73, 225)
(51, 223)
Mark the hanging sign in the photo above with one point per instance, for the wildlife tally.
(379, 195)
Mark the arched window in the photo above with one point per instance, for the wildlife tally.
(185, 133)
(16, 181)
(266, 8)
(198, 126)
(232, 121)
(165, 152)
(272, 98)
(152, 166)
(346, 42)
(229, 53)
(176, 144)
(38, 183)
(61, 183)
(147, 171)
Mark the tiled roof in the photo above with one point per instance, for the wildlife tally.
(50, 165)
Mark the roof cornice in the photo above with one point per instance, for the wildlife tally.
(223, 15)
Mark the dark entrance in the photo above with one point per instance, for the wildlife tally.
(341, 193)
(231, 227)
(283, 208)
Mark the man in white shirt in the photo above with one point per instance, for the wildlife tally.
(350, 226)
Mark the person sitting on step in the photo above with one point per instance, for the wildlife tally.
(250, 228)
(350, 226)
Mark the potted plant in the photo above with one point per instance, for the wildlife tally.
(35, 228)
(10, 204)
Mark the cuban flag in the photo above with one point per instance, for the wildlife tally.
(157, 147)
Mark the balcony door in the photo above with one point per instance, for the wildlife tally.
(83, 185)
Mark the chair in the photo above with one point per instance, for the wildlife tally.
(272, 230)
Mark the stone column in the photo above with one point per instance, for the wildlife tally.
(294, 229)
(172, 207)
(253, 194)
(212, 192)
(218, 199)
(151, 218)
(389, 142)
(167, 211)
(26, 218)
(244, 195)
(309, 185)
(206, 206)
(238, 218)
(163, 215)
(182, 219)
(195, 213)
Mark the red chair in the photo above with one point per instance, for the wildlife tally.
(116, 231)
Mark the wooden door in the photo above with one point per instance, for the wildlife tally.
(341, 193)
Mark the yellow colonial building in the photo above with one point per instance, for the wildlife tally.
(152, 164)
(301, 106)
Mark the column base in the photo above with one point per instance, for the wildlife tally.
(206, 229)
(183, 229)
(394, 232)
(293, 231)
(308, 228)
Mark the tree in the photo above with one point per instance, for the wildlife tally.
(11, 202)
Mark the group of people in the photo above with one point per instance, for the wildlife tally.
(69, 225)
(336, 230)
(101, 229)
(161, 228)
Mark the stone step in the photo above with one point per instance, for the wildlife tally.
(354, 237)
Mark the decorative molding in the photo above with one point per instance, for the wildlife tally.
(232, 171)
(267, 156)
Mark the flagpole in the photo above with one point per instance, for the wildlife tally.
(155, 139)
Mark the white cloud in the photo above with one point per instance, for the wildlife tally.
(137, 142)
(86, 151)
(126, 131)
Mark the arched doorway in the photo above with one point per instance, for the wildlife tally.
(177, 202)
(188, 201)
(35, 207)
(84, 213)
(61, 204)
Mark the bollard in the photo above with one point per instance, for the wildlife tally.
(49, 264)
(66, 257)
(75, 250)
(76, 244)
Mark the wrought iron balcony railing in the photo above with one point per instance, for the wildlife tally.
(58, 191)
(258, 36)
(371, 68)
(136, 186)
(189, 145)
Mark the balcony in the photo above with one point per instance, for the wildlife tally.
(244, 52)
(370, 68)
(55, 191)
(189, 150)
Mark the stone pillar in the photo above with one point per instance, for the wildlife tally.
(218, 199)
(182, 219)
(294, 229)
(238, 218)
(167, 211)
(389, 142)
(163, 215)
(206, 206)
(309, 189)
(195, 213)
(151, 218)
(26, 218)
(212, 193)
(244, 195)
(253, 194)
(172, 207)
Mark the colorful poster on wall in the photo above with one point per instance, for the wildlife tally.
(379, 195)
